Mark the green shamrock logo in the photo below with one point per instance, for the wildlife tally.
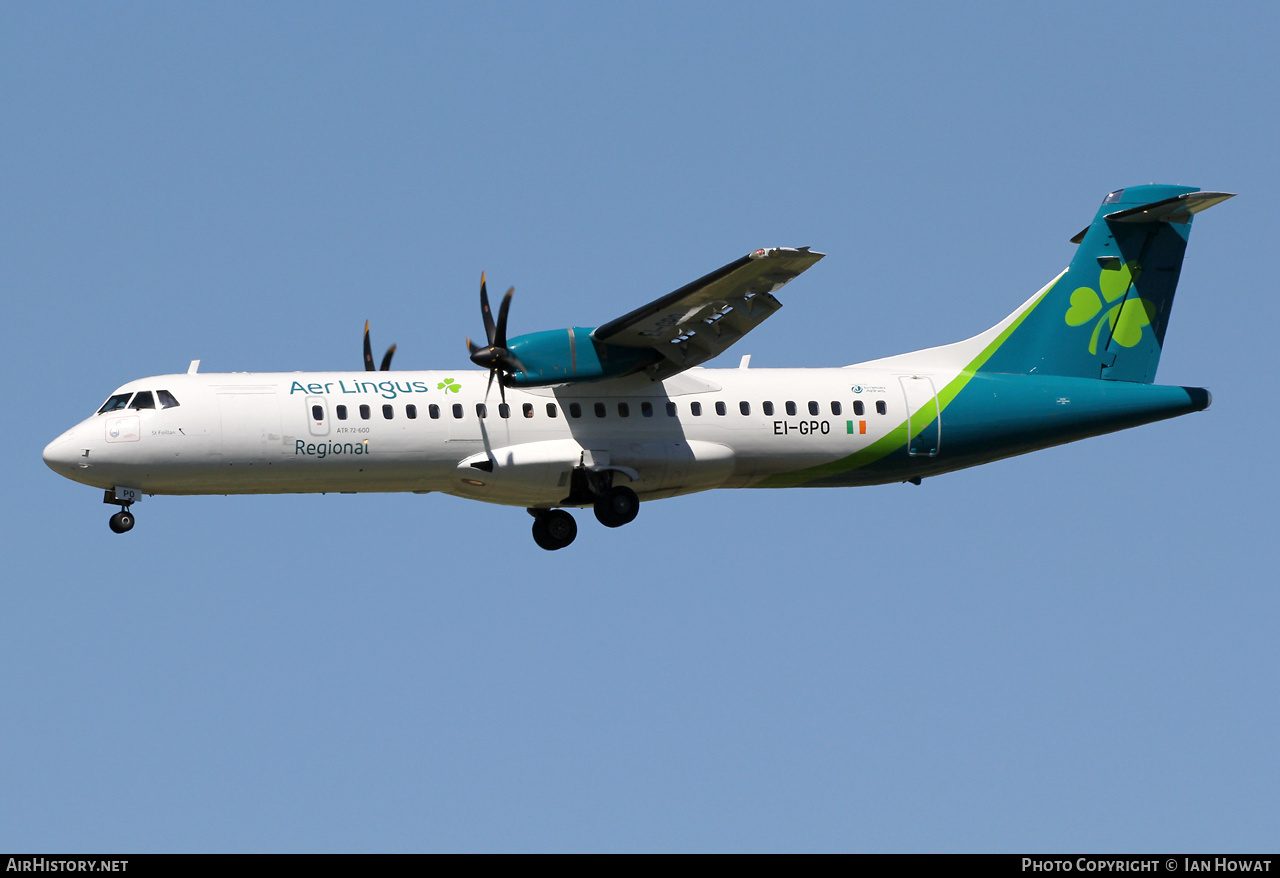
(1125, 319)
(448, 384)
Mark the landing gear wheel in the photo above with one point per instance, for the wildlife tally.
(554, 529)
(121, 522)
(618, 506)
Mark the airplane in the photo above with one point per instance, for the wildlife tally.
(624, 412)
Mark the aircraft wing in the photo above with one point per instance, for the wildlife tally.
(701, 319)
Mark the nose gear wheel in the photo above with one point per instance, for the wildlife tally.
(121, 522)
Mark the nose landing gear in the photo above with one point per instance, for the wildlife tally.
(122, 521)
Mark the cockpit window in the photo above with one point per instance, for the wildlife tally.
(166, 399)
(119, 401)
(143, 400)
(1114, 197)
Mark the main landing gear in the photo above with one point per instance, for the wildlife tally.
(617, 506)
(555, 528)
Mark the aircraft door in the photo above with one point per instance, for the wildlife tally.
(924, 423)
(318, 415)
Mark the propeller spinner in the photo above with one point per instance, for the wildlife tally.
(496, 358)
(368, 353)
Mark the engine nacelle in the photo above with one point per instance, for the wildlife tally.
(559, 356)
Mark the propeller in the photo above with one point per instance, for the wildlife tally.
(496, 358)
(368, 353)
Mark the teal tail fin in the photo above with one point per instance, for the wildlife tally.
(1106, 316)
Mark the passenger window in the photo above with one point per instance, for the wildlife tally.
(695, 409)
(768, 409)
(527, 408)
(115, 403)
(433, 411)
(881, 408)
(457, 410)
(411, 412)
(342, 412)
(624, 410)
(671, 410)
(721, 410)
(814, 408)
(317, 413)
(166, 399)
(364, 413)
(858, 408)
(575, 410)
(482, 410)
(791, 408)
(744, 407)
(143, 400)
(600, 410)
(646, 409)
(388, 412)
(551, 410)
(835, 408)
(504, 410)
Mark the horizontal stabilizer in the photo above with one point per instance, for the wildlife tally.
(1178, 209)
(1171, 210)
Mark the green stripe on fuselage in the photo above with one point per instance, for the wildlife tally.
(898, 437)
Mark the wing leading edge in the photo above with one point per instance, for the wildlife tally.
(701, 319)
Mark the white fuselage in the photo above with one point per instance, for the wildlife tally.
(246, 433)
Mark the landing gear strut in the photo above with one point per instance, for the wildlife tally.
(617, 506)
(553, 528)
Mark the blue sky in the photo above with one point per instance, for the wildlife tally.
(1072, 650)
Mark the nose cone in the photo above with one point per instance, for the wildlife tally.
(63, 455)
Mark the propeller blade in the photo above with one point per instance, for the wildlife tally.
(368, 349)
(485, 311)
(495, 357)
(501, 341)
(386, 359)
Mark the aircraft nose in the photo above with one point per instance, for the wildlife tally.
(62, 455)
